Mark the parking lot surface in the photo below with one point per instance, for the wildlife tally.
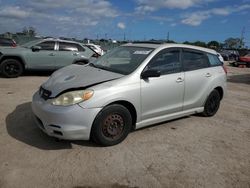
(189, 152)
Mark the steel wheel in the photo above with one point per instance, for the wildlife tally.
(111, 125)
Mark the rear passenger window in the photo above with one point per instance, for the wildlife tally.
(214, 60)
(167, 61)
(66, 46)
(193, 60)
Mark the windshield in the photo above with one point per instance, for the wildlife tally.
(123, 59)
(31, 43)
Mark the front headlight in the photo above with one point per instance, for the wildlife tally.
(72, 97)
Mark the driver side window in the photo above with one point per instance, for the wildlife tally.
(166, 61)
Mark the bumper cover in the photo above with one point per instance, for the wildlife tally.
(70, 122)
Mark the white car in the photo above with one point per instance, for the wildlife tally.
(96, 48)
(130, 87)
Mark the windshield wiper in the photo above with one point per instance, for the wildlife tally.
(96, 66)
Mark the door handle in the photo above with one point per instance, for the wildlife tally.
(76, 53)
(178, 80)
(52, 54)
(208, 75)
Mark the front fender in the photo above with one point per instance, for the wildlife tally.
(107, 94)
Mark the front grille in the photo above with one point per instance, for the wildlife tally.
(45, 94)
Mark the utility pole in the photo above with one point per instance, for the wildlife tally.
(242, 37)
(124, 37)
(168, 37)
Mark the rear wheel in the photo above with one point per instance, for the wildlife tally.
(11, 68)
(212, 104)
(112, 125)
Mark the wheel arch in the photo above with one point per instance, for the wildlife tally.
(16, 58)
(130, 108)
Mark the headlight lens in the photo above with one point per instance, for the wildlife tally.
(72, 97)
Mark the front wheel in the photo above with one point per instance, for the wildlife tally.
(112, 125)
(11, 68)
(212, 104)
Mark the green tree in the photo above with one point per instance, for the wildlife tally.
(187, 42)
(170, 41)
(233, 43)
(25, 30)
(32, 31)
(200, 43)
(213, 44)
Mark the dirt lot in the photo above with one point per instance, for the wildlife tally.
(188, 152)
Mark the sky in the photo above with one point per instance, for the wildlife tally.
(181, 20)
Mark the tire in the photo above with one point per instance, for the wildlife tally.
(11, 68)
(111, 125)
(212, 104)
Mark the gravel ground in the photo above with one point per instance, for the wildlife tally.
(188, 152)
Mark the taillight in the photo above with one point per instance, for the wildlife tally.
(224, 68)
(14, 45)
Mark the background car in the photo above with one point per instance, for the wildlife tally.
(7, 42)
(244, 60)
(98, 49)
(43, 54)
(230, 55)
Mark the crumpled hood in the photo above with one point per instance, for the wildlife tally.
(77, 76)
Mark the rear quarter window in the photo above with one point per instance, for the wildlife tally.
(214, 60)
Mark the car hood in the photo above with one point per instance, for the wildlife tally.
(12, 50)
(77, 76)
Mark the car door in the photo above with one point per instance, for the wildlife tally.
(43, 58)
(163, 95)
(197, 78)
(70, 52)
(66, 54)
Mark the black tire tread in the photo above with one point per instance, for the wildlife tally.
(212, 94)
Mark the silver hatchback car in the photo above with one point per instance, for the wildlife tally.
(130, 87)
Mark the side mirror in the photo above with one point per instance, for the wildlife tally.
(36, 48)
(150, 73)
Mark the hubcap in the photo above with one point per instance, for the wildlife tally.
(113, 126)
